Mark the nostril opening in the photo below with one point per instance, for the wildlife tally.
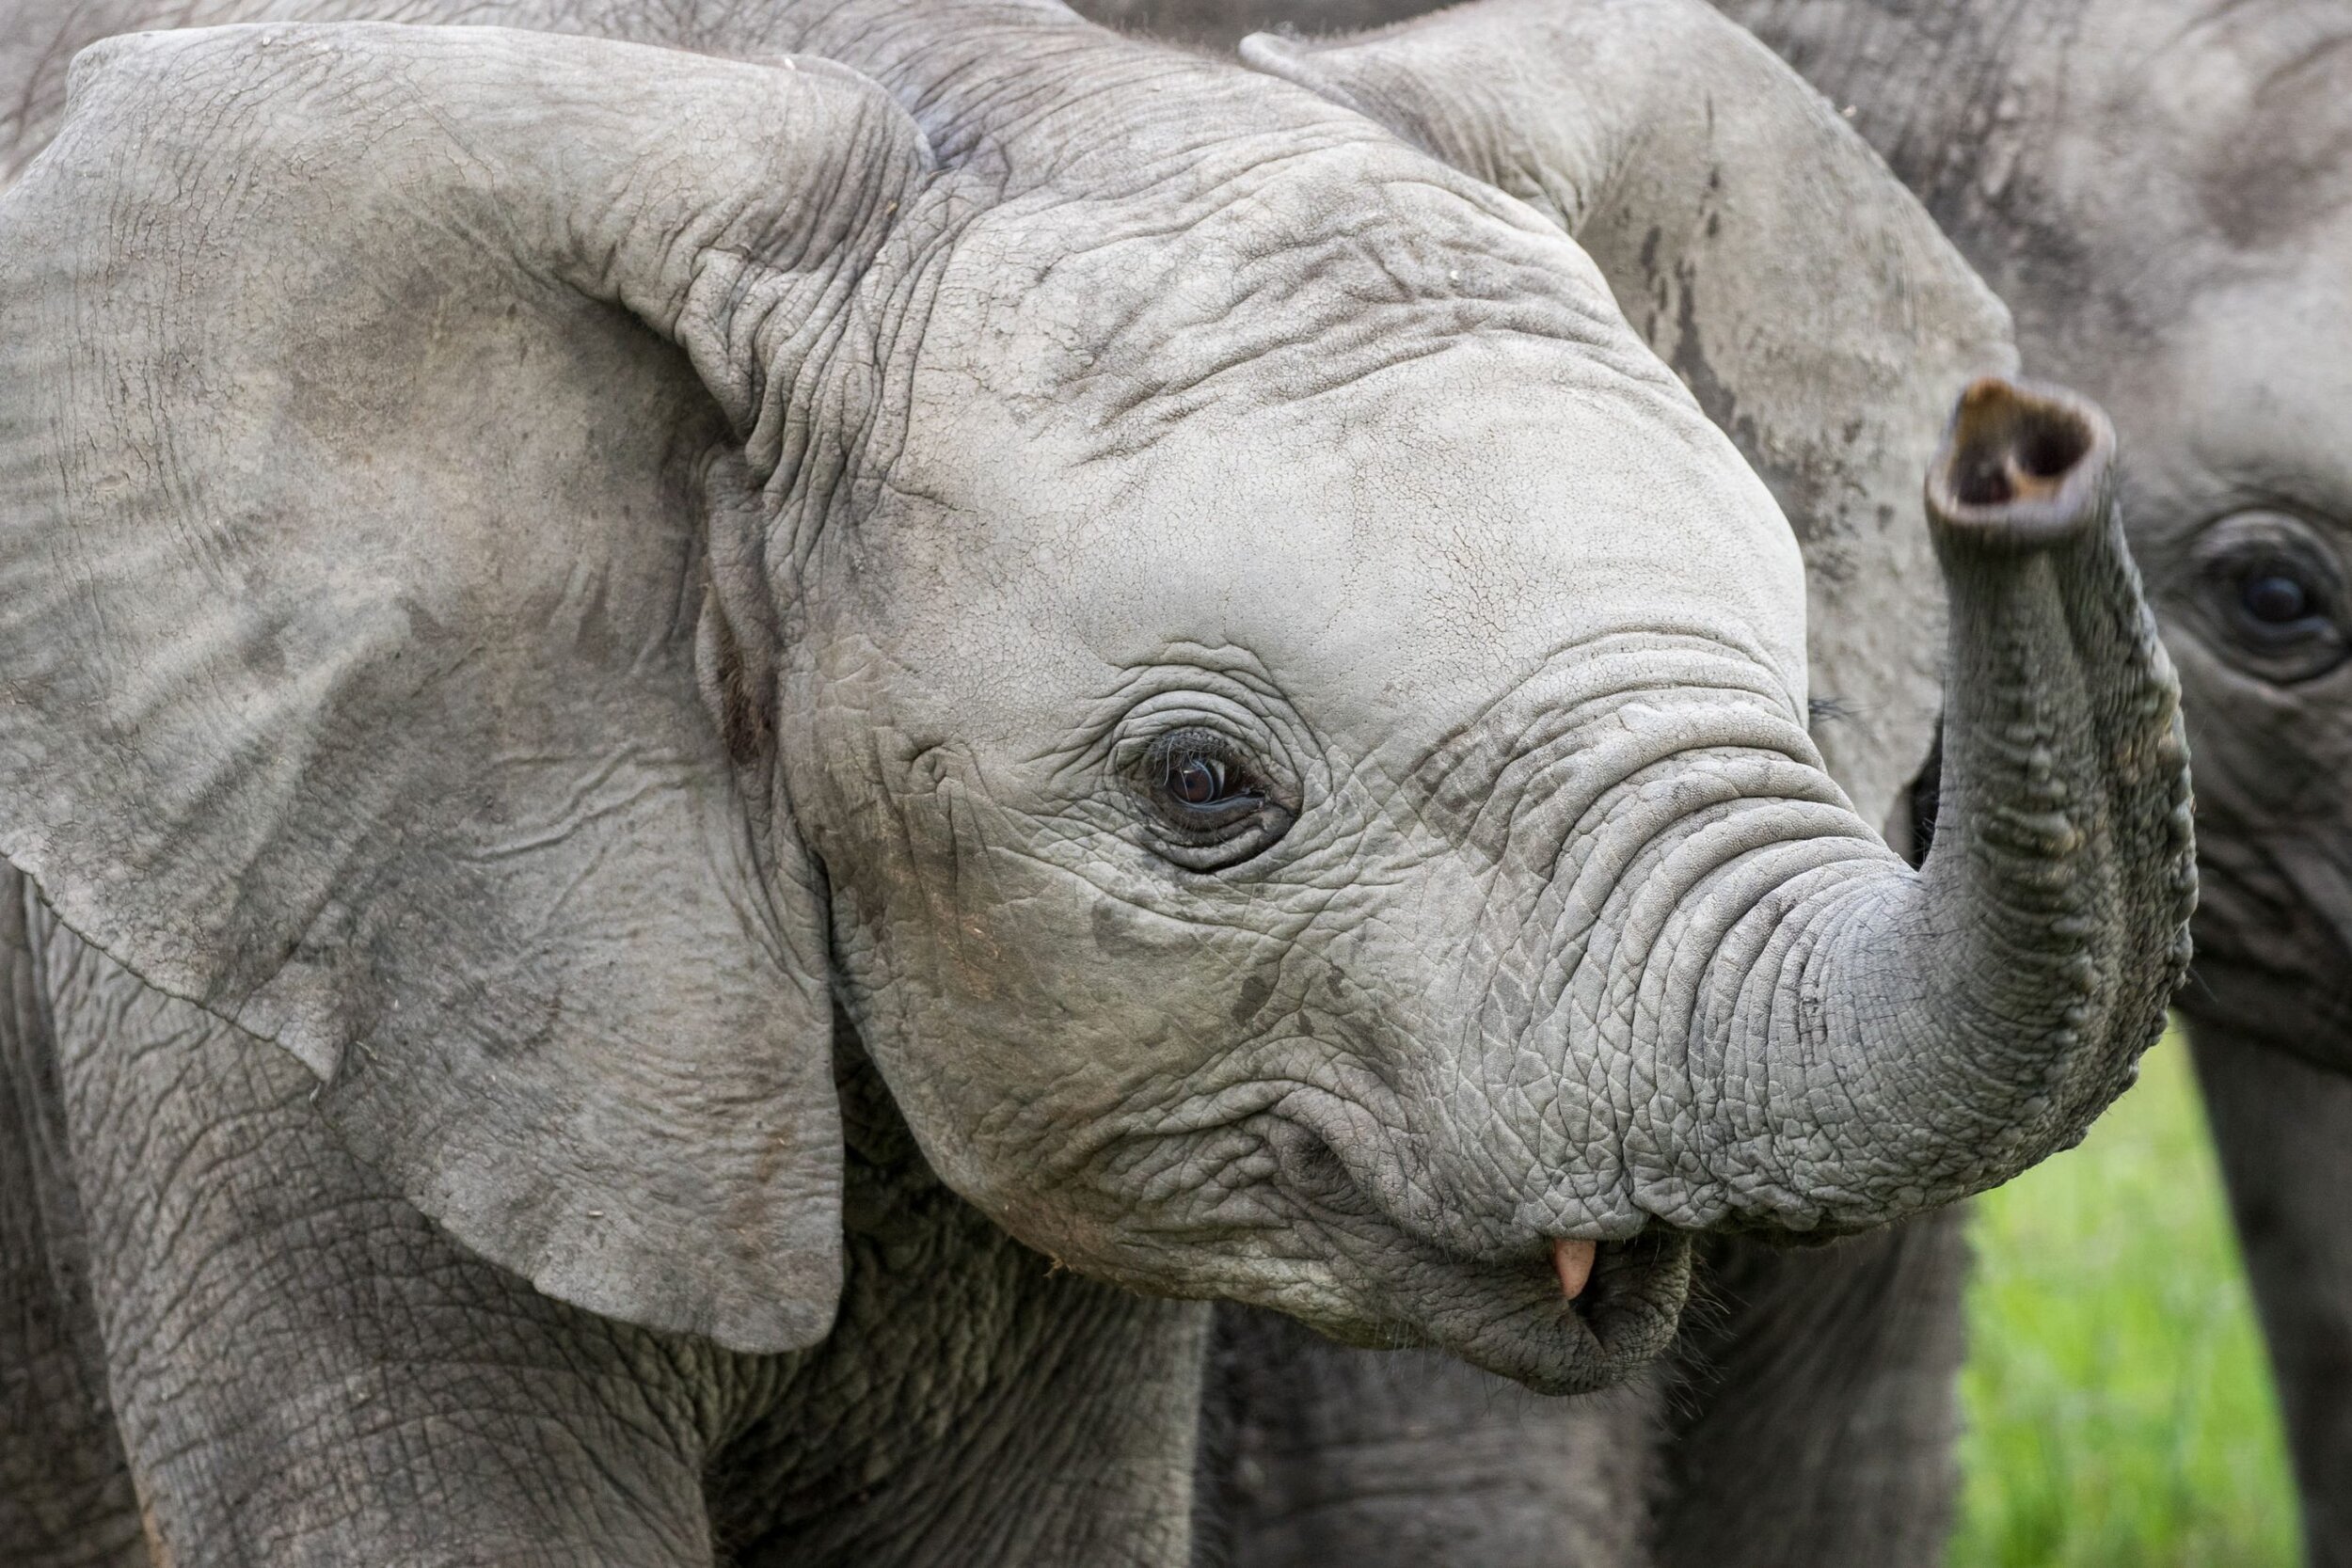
(2026, 451)
(2052, 442)
(2016, 453)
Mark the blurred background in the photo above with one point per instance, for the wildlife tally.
(2119, 1413)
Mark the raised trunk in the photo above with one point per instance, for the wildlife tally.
(1864, 1042)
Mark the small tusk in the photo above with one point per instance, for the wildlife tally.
(1572, 1260)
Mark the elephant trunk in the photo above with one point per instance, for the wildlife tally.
(1866, 1043)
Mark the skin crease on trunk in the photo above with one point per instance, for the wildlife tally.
(2158, 189)
(304, 1369)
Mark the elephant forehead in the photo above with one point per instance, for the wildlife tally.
(1406, 542)
(2257, 106)
(2232, 118)
(1270, 268)
(2249, 389)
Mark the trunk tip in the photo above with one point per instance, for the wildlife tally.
(2023, 465)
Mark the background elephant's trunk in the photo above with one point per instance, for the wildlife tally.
(1867, 1046)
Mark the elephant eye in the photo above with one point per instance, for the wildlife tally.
(2276, 598)
(2272, 595)
(1200, 778)
(1199, 781)
(1211, 807)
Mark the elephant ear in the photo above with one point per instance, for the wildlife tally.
(359, 392)
(1765, 253)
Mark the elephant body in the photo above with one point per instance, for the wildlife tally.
(327, 1362)
(742, 737)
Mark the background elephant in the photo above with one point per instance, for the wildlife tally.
(2163, 194)
(2159, 193)
(692, 639)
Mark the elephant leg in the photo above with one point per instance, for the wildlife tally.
(305, 1370)
(65, 1491)
(2283, 1130)
(1317, 1453)
(1818, 1423)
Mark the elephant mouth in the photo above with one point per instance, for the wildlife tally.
(1518, 1312)
(1515, 1322)
(1629, 1309)
(1636, 1290)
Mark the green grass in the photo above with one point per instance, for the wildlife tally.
(2119, 1410)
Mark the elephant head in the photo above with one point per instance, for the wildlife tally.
(541, 572)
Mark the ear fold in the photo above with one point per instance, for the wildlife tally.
(352, 555)
(1768, 256)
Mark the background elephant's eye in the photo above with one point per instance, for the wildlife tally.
(2271, 596)
(2275, 599)
(1211, 807)
(2281, 617)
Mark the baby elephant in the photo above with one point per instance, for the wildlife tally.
(732, 760)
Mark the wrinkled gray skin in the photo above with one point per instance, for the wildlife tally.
(2160, 192)
(591, 635)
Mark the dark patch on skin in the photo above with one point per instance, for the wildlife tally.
(1798, 493)
(1656, 280)
(262, 643)
(2284, 162)
(1113, 932)
(262, 647)
(1254, 991)
(1718, 401)
(745, 696)
(1122, 930)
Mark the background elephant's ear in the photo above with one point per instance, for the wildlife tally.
(1765, 252)
(361, 390)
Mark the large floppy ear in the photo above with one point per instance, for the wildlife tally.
(1766, 254)
(361, 390)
